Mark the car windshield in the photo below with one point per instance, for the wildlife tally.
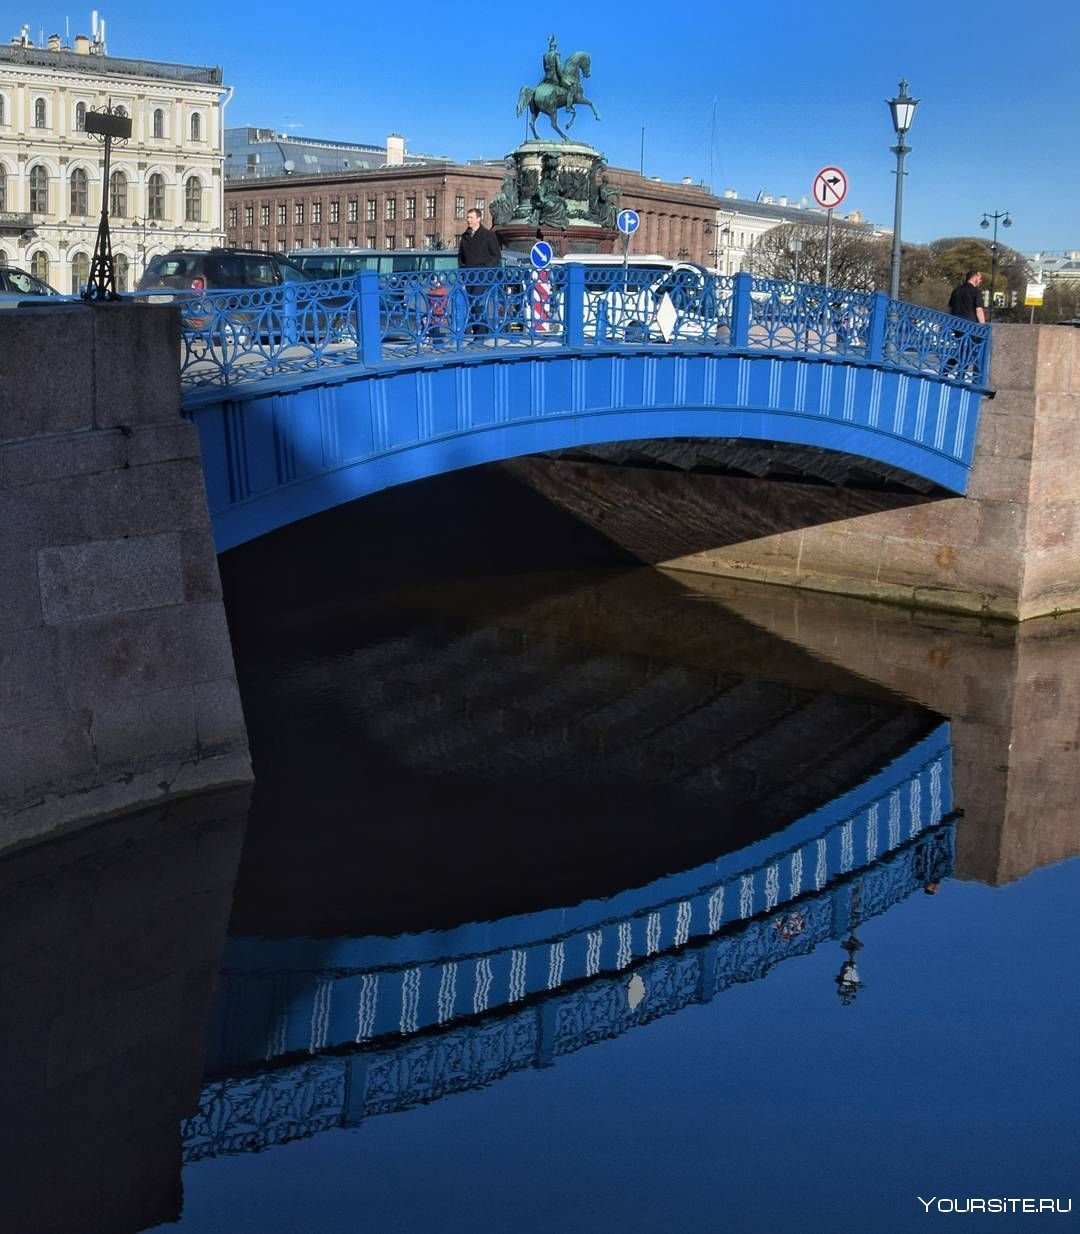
(174, 265)
(26, 285)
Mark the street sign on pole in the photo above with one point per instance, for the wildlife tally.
(1034, 294)
(541, 254)
(627, 222)
(830, 187)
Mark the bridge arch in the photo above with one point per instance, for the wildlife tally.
(282, 450)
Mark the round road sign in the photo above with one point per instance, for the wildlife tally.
(830, 187)
(541, 254)
(627, 222)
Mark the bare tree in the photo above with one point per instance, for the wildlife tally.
(852, 264)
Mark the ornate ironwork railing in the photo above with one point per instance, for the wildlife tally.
(235, 337)
(301, 1099)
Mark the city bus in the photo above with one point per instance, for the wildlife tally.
(334, 263)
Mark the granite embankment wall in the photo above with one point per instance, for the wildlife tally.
(1007, 549)
(117, 684)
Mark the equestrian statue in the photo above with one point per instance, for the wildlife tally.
(559, 91)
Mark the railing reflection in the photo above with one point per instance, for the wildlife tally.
(430, 1026)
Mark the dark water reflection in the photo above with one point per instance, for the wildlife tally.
(568, 873)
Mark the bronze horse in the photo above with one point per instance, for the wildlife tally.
(550, 98)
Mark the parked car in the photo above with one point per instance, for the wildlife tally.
(647, 298)
(17, 287)
(184, 275)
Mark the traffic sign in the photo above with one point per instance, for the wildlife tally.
(1033, 296)
(627, 222)
(541, 254)
(830, 187)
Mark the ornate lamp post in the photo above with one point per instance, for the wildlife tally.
(106, 126)
(1006, 221)
(903, 113)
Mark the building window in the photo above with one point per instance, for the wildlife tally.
(39, 113)
(3, 187)
(155, 197)
(316, 211)
(120, 111)
(410, 240)
(196, 127)
(298, 213)
(249, 216)
(371, 242)
(354, 210)
(39, 265)
(123, 267)
(429, 205)
(335, 211)
(264, 216)
(430, 240)
(80, 117)
(79, 204)
(480, 204)
(391, 242)
(282, 215)
(391, 209)
(159, 122)
(232, 216)
(118, 195)
(410, 206)
(39, 191)
(459, 209)
(80, 272)
(369, 211)
(193, 200)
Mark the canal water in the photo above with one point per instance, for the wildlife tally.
(600, 901)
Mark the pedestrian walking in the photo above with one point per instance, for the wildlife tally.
(966, 300)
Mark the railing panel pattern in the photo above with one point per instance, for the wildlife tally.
(232, 338)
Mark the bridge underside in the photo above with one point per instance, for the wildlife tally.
(279, 457)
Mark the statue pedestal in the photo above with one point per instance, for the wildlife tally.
(557, 188)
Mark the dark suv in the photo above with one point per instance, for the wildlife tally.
(191, 270)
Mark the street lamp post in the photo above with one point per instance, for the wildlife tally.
(1006, 221)
(903, 113)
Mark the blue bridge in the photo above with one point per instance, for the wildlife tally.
(339, 1030)
(311, 395)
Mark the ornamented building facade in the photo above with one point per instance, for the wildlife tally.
(166, 182)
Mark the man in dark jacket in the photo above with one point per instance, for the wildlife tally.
(966, 300)
(478, 247)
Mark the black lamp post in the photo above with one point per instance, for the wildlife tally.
(1003, 215)
(903, 113)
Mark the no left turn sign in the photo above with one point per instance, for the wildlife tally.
(830, 187)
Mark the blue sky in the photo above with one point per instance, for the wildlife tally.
(795, 86)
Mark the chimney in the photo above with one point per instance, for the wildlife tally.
(54, 42)
(395, 150)
(82, 45)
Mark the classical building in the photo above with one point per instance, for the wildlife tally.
(1059, 265)
(423, 205)
(740, 224)
(165, 184)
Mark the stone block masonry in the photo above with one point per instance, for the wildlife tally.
(1008, 549)
(117, 684)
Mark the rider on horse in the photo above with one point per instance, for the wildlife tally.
(553, 68)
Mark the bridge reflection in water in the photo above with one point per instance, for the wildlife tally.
(323, 1030)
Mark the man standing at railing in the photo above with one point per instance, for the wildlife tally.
(479, 247)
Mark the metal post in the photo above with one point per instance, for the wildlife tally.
(828, 248)
(993, 273)
(894, 272)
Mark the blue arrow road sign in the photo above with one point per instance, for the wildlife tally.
(541, 254)
(627, 222)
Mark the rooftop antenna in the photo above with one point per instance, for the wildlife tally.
(67, 31)
(761, 193)
(93, 25)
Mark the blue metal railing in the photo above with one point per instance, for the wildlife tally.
(234, 337)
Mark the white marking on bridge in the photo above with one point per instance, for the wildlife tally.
(772, 886)
(482, 984)
(921, 403)
(796, 874)
(320, 1014)
(682, 922)
(942, 416)
(775, 372)
(935, 789)
(746, 895)
(366, 1006)
(410, 1000)
(915, 803)
(874, 408)
(518, 961)
(425, 404)
(716, 909)
(894, 818)
(821, 871)
(652, 934)
(592, 952)
(447, 992)
(847, 846)
(625, 952)
(556, 964)
(851, 377)
(826, 389)
(901, 405)
(872, 833)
